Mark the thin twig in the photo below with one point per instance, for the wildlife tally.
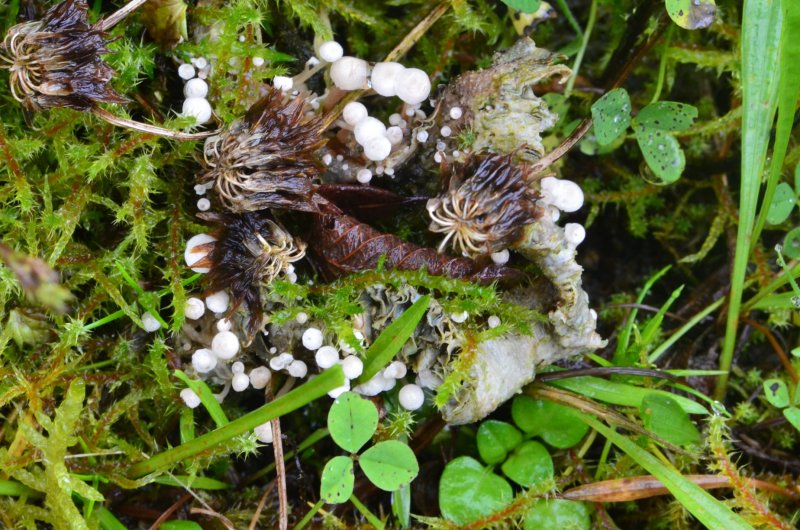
(116, 17)
(169, 511)
(787, 364)
(211, 513)
(280, 470)
(261, 503)
(149, 128)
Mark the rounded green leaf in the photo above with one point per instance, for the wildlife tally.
(337, 480)
(389, 464)
(558, 513)
(792, 415)
(469, 491)
(663, 416)
(782, 204)
(692, 14)
(667, 116)
(529, 464)
(611, 115)
(791, 244)
(525, 6)
(555, 424)
(352, 421)
(777, 393)
(495, 439)
(661, 151)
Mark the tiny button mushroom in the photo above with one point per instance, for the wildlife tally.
(339, 390)
(150, 322)
(297, 369)
(411, 397)
(501, 257)
(281, 82)
(301, 318)
(574, 233)
(412, 86)
(326, 357)
(349, 73)
(194, 308)
(395, 370)
(196, 251)
(493, 321)
(191, 399)
(330, 51)
(264, 433)
(186, 71)
(204, 360)
(352, 367)
(240, 382)
(354, 112)
(260, 377)
(218, 302)
(225, 345)
(312, 338)
(364, 176)
(394, 134)
(369, 128)
(383, 77)
(223, 324)
(377, 149)
(195, 88)
(281, 361)
(198, 108)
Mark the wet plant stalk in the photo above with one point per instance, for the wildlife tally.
(116, 17)
(148, 128)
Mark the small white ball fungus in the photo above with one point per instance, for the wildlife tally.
(456, 113)
(458, 318)
(501, 258)
(195, 252)
(258, 61)
(198, 108)
(395, 119)
(150, 323)
(223, 324)
(186, 71)
(218, 302)
(281, 82)
(352, 366)
(195, 88)
(260, 377)
(411, 397)
(563, 194)
(354, 112)
(200, 189)
(301, 318)
(264, 433)
(422, 137)
(394, 134)
(574, 233)
(327, 158)
(203, 204)
(493, 321)
(339, 390)
(364, 176)
(330, 51)
(281, 361)
(383, 78)
(349, 73)
(395, 370)
(194, 308)
(326, 357)
(377, 149)
(225, 345)
(200, 62)
(204, 360)
(312, 338)
(297, 369)
(237, 367)
(369, 128)
(446, 131)
(412, 85)
(191, 399)
(240, 382)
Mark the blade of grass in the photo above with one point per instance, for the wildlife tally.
(206, 398)
(300, 396)
(371, 517)
(761, 20)
(708, 510)
(392, 339)
(625, 333)
(108, 520)
(683, 330)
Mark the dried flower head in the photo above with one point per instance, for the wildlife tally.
(55, 61)
(266, 159)
(487, 205)
(251, 250)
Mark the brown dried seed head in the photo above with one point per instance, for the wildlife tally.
(266, 159)
(487, 205)
(55, 61)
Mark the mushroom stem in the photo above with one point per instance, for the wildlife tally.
(117, 16)
(150, 129)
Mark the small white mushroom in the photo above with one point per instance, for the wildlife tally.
(364, 176)
(194, 308)
(326, 357)
(240, 382)
(297, 369)
(218, 302)
(281, 361)
(377, 149)
(493, 321)
(330, 51)
(191, 399)
(394, 134)
(204, 360)
(150, 323)
(395, 370)
(260, 377)
(412, 85)
(369, 128)
(203, 204)
(349, 73)
(563, 194)
(501, 257)
(411, 397)
(223, 324)
(281, 82)
(383, 77)
(264, 433)
(198, 108)
(352, 367)
(312, 338)
(225, 345)
(195, 252)
(574, 233)
(354, 112)
(195, 88)
(186, 71)
(339, 390)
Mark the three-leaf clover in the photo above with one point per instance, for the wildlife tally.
(777, 393)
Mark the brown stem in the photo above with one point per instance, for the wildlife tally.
(116, 17)
(149, 128)
(787, 364)
(280, 470)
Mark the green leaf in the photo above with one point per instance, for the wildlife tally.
(401, 505)
(495, 439)
(206, 398)
(792, 415)
(352, 421)
(664, 417)
(526, 6)
(667, 116)
(555, 424)
(791, 244)
(692, 14)
(711, 512)
(776, 392)
(557, 513)
(469, 491)
(529, 464)
(620, 393)
(611, 115)
(389, 464)
(661, 151)
(337, 481)
(782, 204)
(180, 525)
(392, 339)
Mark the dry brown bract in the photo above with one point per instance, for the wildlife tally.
(487, 205)
(55, 61)
(266, 159)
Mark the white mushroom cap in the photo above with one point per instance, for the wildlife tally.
(574, 233)
(281, 82)
(501, 257)
(191, 399)
(312, 338)
(411, 397)
(224, 324)
(383, 77)
(240, 382)
(225, 345)
(354, 112)
(301, 318)
(281, 361)
(194, 308)
(369, 128)
(364, 176)
(237, 367)
(199, 108)
(186, 71)
(195, 88)
(204, 360)
(563, 194)
(218, 302)
(493, 321)
(339, 390)
(150, 323)
(260, 377)
(349, 73)
(330, 51)
(297, 369)
(264, 433)
(395, 370)
(378, 148)
(352, 366)
(394, 134)
(412, 85)
(326, 357)
(194, 253)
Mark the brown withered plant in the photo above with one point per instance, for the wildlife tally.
(266, 159)
(487, 204)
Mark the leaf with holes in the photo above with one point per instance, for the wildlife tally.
(495, 439)
(389, 464)
(662, 152)
(611, 115)
(667, 116)
(529, 464)
(692, 14)
(469, 491)
(337, 480)
(776, 392)
(352, 421)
